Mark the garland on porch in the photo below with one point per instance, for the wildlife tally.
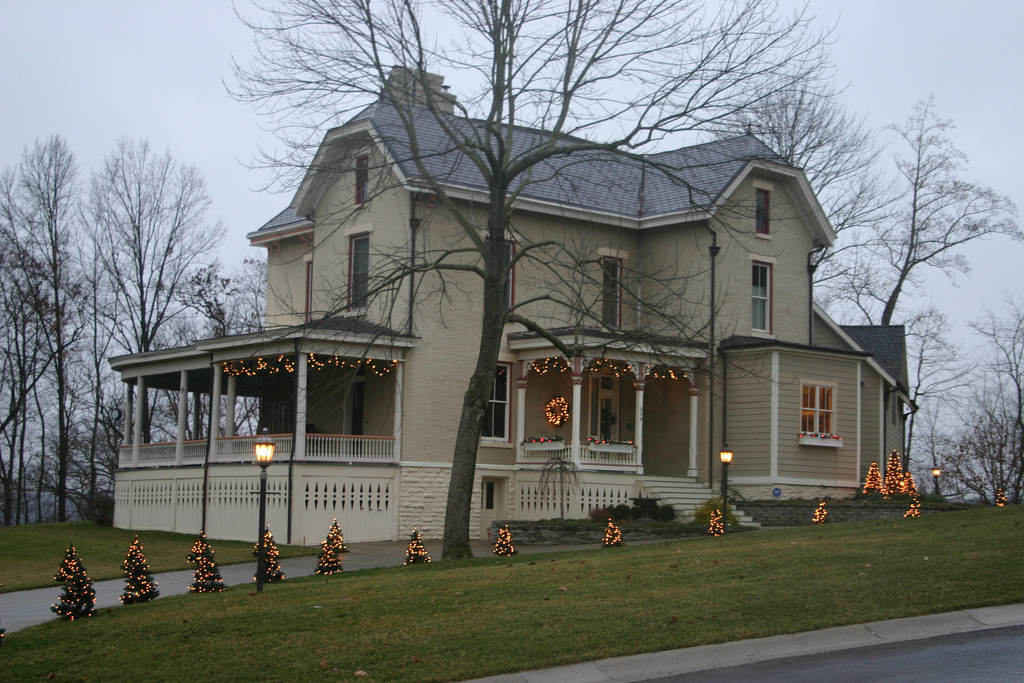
(251, 367)
(206, 578)
(609, 442)
(78, 599)
(546, 365)
(139, 585)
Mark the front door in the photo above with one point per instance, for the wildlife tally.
(492, 503)
(604, 407)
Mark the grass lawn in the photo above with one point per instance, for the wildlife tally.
(30, 555)
(452, 621)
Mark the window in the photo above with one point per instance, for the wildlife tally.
(611, 290)
(762, 213)
(362, 180)
(761, 295)
(309, 288)
(359, 270)
(816, 416)
(496, 416)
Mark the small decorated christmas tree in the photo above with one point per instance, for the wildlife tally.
(139, 585)
(915, 507)
(893, 475)
(329, 562)
(715, 525)
(873, 482)
(1000, 498)
(820, 514)
(271, 565)
(908, 486)
(612, 535)
(2, 632)
(504, 545)
(206, 578)
(78, 599)
(416, 554)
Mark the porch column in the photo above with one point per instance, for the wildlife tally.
(140, 390)
(302, 370)
(218, 371)
(399, 378)
(229, 415)
(692, 469)
(577, 408)
(129, 414)
(523, 369)
(179, 446)
(197, 417)
(638, 440)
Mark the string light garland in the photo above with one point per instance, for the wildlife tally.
(416, 554)
(546, 365)
(663, 372)
(139, 585)
(504, 547)
(271, 564)
(716, 527)
(820, 514)
(873, 482)
(252, 367)
(557, 411)
(615, 367)
(206, 578)
(612, 536)
(78, 599)
(915, 507)
(330, 548)
(893, 475)
(1000, 498)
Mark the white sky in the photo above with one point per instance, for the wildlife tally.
(94, 71)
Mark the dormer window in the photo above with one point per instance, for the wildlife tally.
(762, 214)
(362, 179)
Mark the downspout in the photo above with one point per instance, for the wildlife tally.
(811, 268)
(414, 224)
(295, 445)
(209, 447)
(713, 252)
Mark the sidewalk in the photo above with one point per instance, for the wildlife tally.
(22, 609)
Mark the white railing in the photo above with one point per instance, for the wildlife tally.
(243, 448)
(540, 452)
(194, 452)
(339, 447)
(591, 455)
(124, 456)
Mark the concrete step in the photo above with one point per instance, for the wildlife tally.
(686, 494)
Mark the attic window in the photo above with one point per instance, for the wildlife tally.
(762, 213)
(362, 179)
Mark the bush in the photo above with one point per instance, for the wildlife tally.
(600, 515)
(636, 512)
(621, 513)
(100, 510)
(702, 515)
(666, 513)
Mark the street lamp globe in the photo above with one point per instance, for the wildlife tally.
(264, 448)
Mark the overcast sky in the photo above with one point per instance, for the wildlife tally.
(94, 71)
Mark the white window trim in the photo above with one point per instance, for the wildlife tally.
(507, 439)
(358, 229)
(767, 329)
(835, 402)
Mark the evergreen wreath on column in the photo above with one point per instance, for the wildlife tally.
(139, 585)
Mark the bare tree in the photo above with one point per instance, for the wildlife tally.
(936, 212)
(935, 363)
(540, 79)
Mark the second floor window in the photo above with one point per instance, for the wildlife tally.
(496, 418)
(762, 212)
(611, 291)
(359, 271)
(362, 180)
(817, 409)
(761, 297)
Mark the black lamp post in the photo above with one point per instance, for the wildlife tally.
(264, 456)
(935, 473)
(726, 458)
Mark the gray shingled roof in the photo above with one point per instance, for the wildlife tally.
(284, 219)
(887, 343)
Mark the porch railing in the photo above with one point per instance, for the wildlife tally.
(232, 449)
(243, 448)
(339, 447)
(616, 456)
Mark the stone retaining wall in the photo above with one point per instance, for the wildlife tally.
(532, 533)
(799, 513)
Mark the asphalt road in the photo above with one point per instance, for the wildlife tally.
(978, 656)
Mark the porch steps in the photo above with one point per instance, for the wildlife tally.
(685, 494)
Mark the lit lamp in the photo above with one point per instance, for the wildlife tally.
(935, 473)
(726, 458)
(264, 456)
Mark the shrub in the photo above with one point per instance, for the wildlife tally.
(620, 513)
(600, 515)
(702, 515)
(666, 513)
(636, 512)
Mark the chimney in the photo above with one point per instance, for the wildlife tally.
(406, 87)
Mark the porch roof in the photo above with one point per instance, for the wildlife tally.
(623, 345)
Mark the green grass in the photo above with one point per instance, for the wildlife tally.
(30, 555)
(452, 621)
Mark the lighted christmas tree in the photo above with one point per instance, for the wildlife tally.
(271, 565)
(503, 546)
(908, 486)
(329, 562)
(612, 535)
(2, 632)
(893, 475)
(139, 585)
(416, 554)
(873, 482)
(715, 525)
(1000, 498)
(915, 507)
(78, 599)
(206, 578)
(820, 514)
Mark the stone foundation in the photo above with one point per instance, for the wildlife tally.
(800, 512)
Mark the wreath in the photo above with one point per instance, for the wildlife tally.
(557, 411)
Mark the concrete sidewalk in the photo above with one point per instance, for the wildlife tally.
(21, 609)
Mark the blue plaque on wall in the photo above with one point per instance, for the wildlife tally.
(776, 492)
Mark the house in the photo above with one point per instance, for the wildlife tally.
(360, 378)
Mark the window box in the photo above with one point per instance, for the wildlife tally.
(544, 445)
(827, 441)
(611, 447)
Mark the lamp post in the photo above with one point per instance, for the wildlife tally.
(264, 456)
(726, 458)
(935, 473)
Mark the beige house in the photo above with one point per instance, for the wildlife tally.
(360, 374)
